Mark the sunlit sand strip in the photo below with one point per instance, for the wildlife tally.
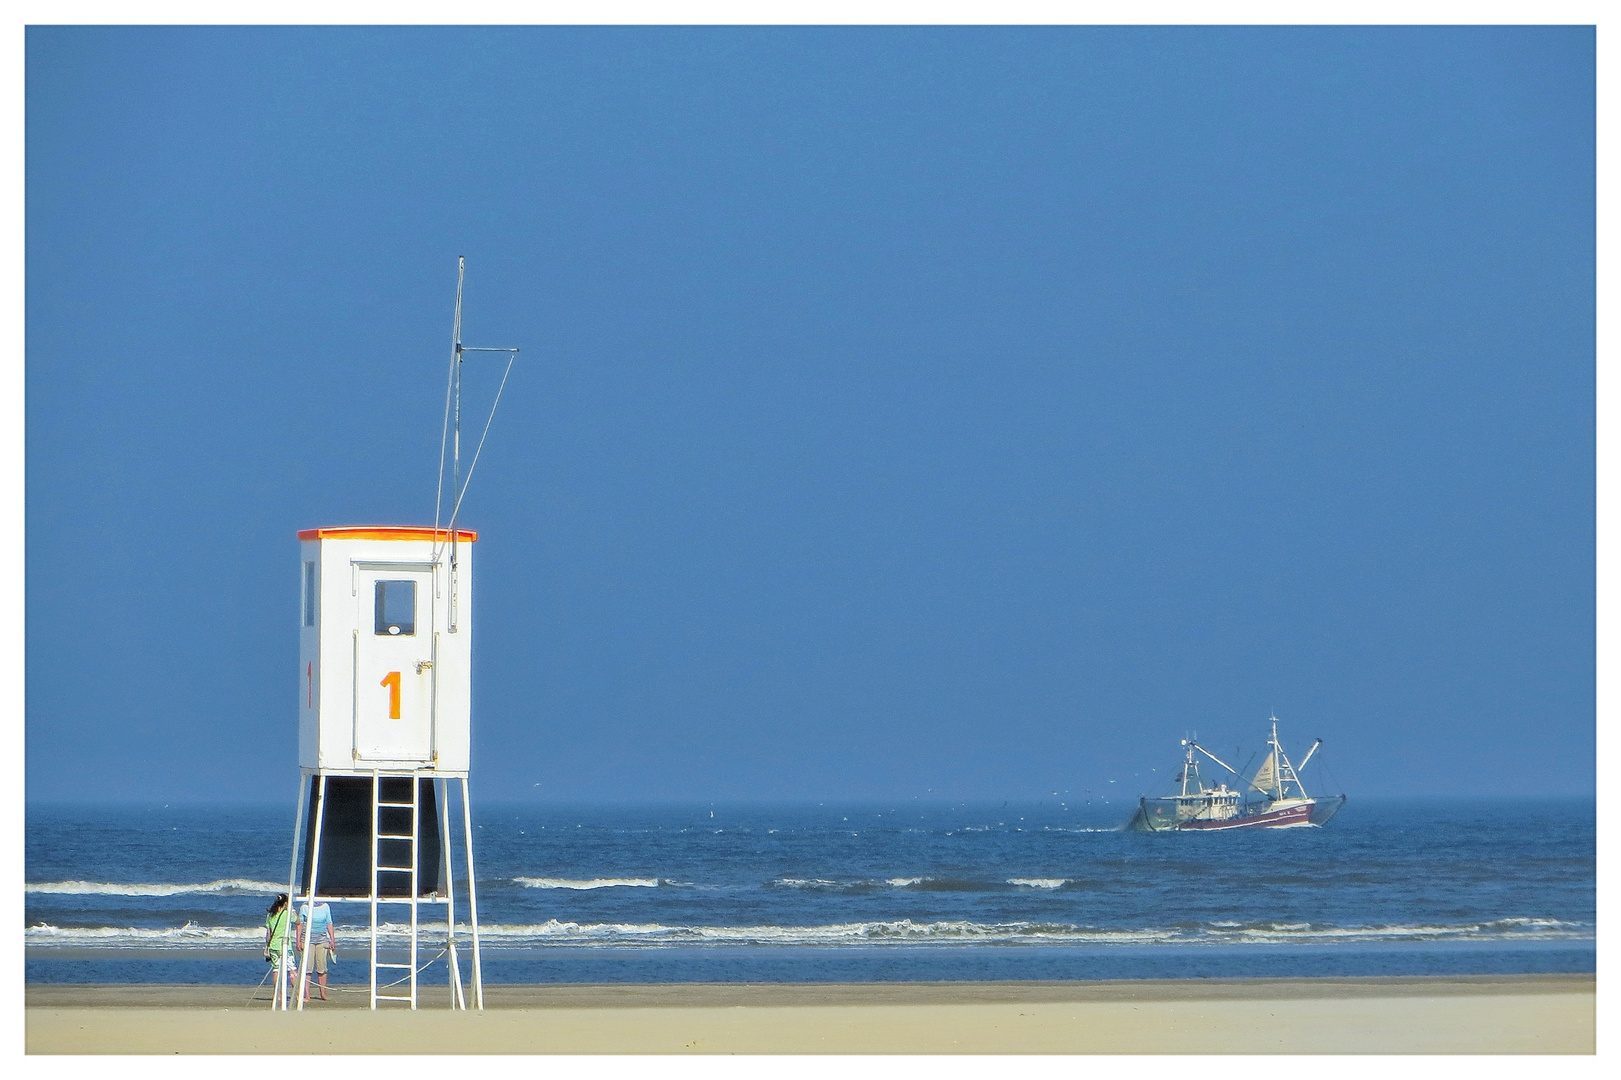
(1544, 1014)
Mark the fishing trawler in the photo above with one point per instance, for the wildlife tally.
(1283, 802)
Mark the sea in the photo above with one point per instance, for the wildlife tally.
(902, 890)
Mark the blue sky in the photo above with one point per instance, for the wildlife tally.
(962, 413)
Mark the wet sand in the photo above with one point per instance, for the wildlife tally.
(1540, 1014)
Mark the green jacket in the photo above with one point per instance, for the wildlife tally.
(277, 925)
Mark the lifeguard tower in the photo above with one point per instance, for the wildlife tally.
(384, 729)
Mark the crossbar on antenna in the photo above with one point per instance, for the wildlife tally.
(450, 433)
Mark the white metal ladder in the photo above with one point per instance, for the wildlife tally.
(378, 869)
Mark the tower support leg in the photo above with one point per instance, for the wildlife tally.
(472, 899)
(278, 999)
(376, 788)
(458, 999)
(309, 910)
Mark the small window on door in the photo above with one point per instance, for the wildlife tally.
(396, 608)
(309, 594)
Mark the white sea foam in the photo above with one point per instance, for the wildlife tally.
(947, 933)
(191, 936)
(861, 883)
(1494, 930)
(589, 883)
(188, 936)
(902, 932)
(110, 888)
(898, 932)
(1038, 883)
(1532, 922)
(1082, 829)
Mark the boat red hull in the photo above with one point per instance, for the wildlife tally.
(1292, 817)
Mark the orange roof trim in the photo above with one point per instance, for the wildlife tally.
(385, 532)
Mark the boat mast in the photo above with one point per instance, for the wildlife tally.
(1277, 759)
(1285, 770)
(1216, 759)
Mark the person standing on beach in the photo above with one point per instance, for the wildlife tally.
(276, 927)
(317, 923)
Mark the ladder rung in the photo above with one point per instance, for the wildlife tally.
(390, 997)
(395, 836)
(381, 963)
(399, 805)
(394, 869)
(395, 900)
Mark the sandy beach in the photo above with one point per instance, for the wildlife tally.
(1541, 1014)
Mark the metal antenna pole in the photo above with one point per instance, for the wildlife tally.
(456, 377)
(450, 378)
(452, 434)
(456, 437)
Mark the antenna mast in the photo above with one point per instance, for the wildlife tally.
(452, 428)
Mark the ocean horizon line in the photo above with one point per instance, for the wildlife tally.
(862, 802)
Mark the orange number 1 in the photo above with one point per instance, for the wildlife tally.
(392, 681)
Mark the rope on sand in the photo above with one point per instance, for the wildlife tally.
(254, 996)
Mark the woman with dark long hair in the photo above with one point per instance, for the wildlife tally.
(279, 919)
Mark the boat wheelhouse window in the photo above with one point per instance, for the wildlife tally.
(396, 608)
(309, 594)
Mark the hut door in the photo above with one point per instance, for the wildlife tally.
(394, 677)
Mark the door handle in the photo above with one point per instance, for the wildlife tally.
(423, 665)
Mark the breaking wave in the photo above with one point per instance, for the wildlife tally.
(188, 936)
(226, 886)
(902, 932)
(897, 932)
(589, 883)
(919, 884)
